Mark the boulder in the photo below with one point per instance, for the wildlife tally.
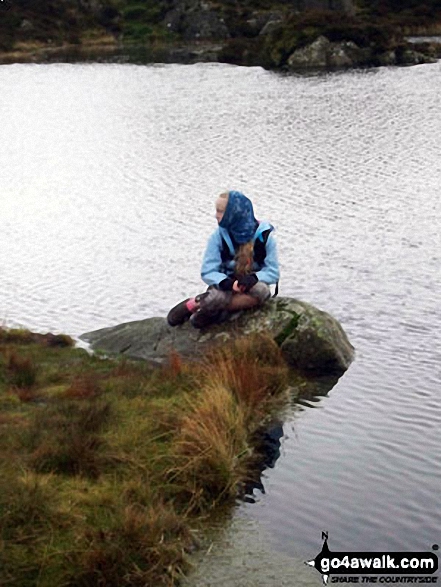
(26, 25)
(344, 54)
(204, 24)
(270, 27)
(411, 57)
(321, 53)
(311, 340)
(313, 55)
(196, 21)
(387, 58)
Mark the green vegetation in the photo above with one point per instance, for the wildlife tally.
(141, 21)
(302, 29)
(25, 24)
(404, 13)
(42, 21)
(109, 467)
(151, 30)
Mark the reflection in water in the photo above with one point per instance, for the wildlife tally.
(267, 448)
(305, 392)
(308, 392)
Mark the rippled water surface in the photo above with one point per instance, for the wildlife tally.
(108, 175)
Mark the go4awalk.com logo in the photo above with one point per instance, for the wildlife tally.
(346, 567)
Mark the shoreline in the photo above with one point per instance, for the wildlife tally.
(111, 51)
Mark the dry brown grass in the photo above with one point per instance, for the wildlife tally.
(85, 386)
(22, 370)
(210, 448)
(146, 546)
(253, 370)
(65, 438)
(239, 383)
(174, 364)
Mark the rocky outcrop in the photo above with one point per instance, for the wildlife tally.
(271, 23)
(195, 20)
(311, 340)
(323, 54)
(412, 57)
(205, 19)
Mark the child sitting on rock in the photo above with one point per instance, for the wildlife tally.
(239, 265)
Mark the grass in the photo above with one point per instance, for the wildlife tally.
(108, 468)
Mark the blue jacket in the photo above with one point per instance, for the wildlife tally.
(213, 270)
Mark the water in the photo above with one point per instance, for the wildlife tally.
(425, 39)
(108, 175)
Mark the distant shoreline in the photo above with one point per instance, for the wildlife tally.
(109, 50)
(114, 52)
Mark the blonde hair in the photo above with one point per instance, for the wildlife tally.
(244, 259)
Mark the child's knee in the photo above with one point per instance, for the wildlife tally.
(216, 300)
(261, 291)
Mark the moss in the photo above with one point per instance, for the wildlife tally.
(288, 330)
(300, 30)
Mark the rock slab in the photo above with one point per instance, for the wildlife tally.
(311, 340)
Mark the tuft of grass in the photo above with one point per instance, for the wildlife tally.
(22, 371)
(65, 438)
(58, 340)
(210, 448)
(144, 546)
(22, 336)
(253, 370)
(239, 382)
(15, 335)
(29, 513)
(174, 365)
(84, 386)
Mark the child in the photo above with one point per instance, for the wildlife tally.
(239, 264)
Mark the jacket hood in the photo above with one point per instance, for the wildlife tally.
(239, 218)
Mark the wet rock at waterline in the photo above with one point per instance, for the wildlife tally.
(311, 340)
(324, 54)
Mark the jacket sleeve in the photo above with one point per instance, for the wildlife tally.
(270, 271)
(211, 264)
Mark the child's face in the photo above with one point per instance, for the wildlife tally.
(221, 205)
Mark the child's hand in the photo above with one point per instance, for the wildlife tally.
(238, 288)
(246, 282)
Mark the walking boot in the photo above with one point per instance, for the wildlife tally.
(202, 319)
(179, 314)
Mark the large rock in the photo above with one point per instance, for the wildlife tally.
(411, 57)
(321, 53)
(195, 20)
(313, 55)
(311, 340)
